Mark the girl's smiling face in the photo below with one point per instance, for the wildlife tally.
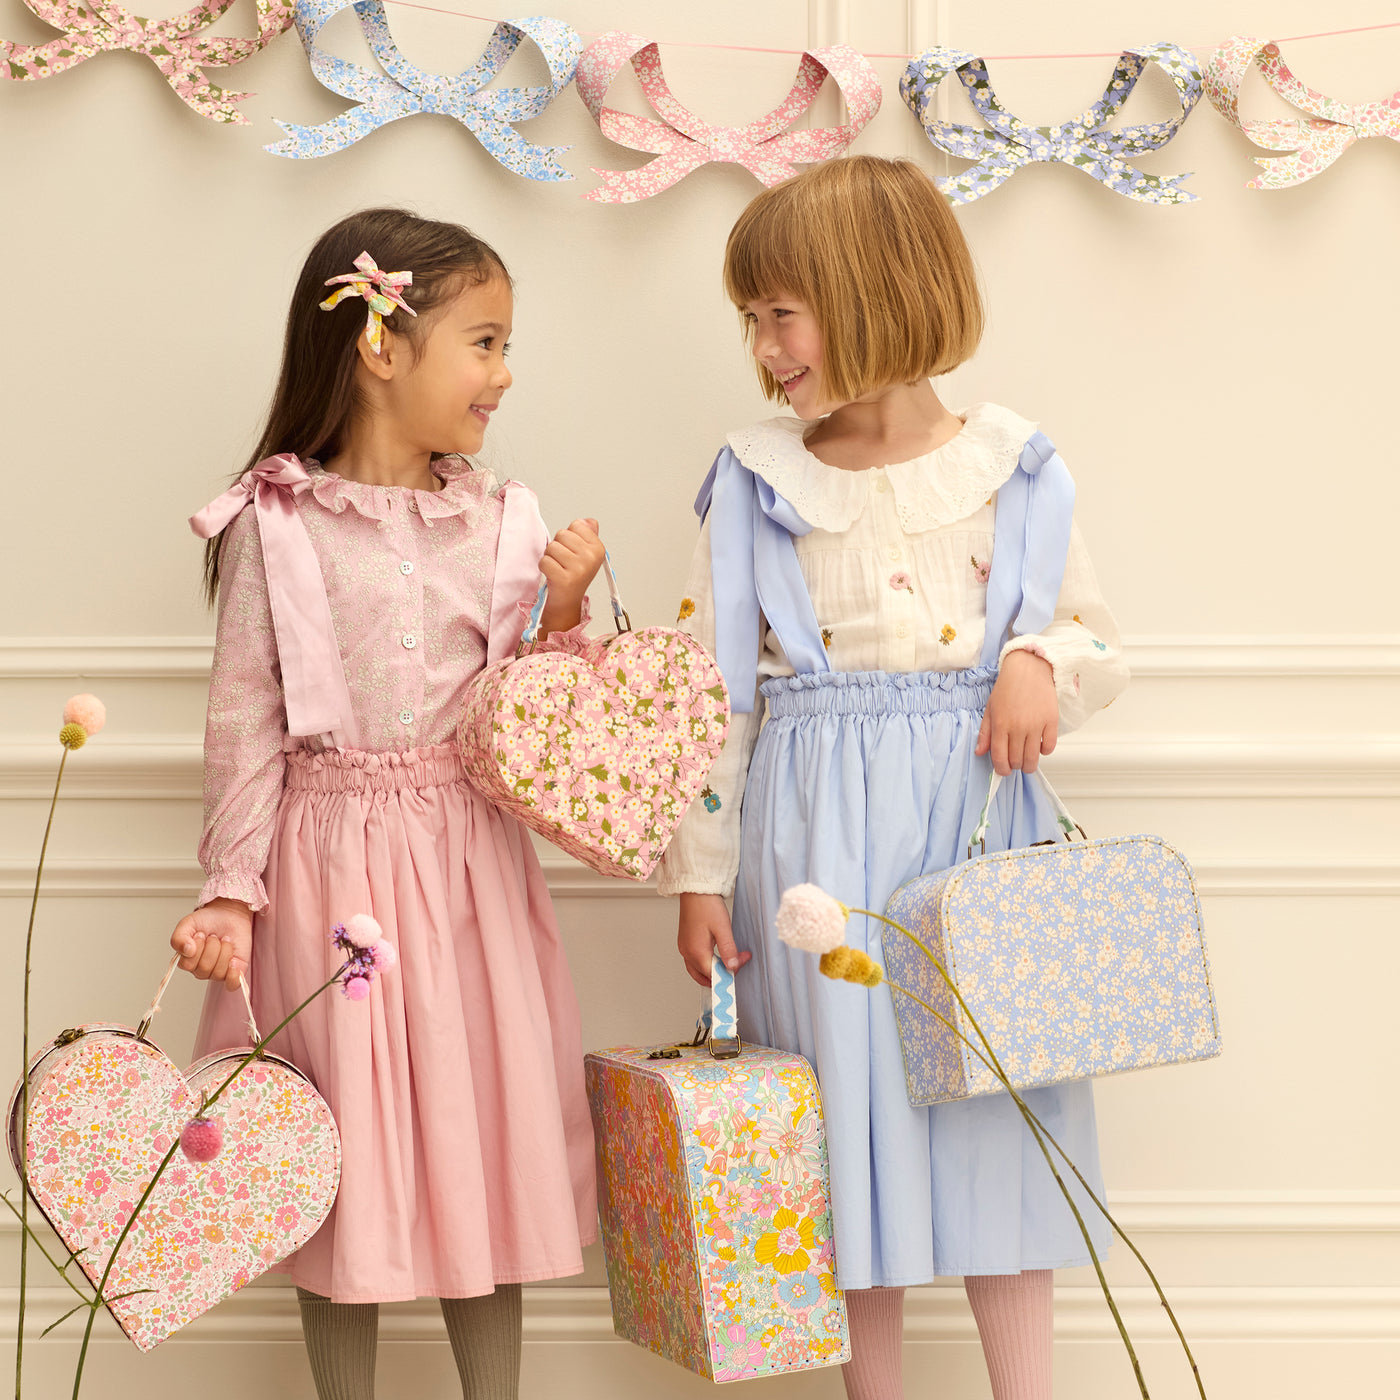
(788, 344)
(445, 400)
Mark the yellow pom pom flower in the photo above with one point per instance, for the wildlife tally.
(72, 736)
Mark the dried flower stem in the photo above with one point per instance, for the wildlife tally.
(1042, 1135)
(24, 1091)
(213, 1098)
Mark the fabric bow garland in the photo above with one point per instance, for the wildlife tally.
(1086, 141)
(408, 89)
(381, 289)
(684, 143)
(1313, 145)
(92, 26)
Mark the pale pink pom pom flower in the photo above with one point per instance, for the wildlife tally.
(363, 930)
(86, 710)
(810, 920)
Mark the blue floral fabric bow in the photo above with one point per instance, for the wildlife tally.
(1085, 142)
(404, 89)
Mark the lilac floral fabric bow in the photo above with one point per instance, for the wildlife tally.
(1312, 144)
(382, 290)
(404, 89)
(1086, 142)
(683, 142)
(93, 26)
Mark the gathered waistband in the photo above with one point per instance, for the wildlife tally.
(879, 692)
(359, 770)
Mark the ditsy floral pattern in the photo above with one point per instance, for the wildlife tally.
(684, 142)
(1089, 142)
(948, 633)
(404, 90)
(601, 750)
(712, 1182)
(901, 582)
(103, 1113)
(982, 568)
(711, 799)
(95, 26)
(1311, 143)
(828, 636)
(687, 609)
(1077, 960)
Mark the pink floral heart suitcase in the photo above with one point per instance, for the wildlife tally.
(106, 1106)
(714, 1199)
(1077, 959)
(601, 749)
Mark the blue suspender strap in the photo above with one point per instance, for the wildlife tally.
(1035, 510)
(754, 569)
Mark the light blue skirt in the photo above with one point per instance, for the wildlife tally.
(861, 781)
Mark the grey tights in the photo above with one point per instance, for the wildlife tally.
(341, 1340)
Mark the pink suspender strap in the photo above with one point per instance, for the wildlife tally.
(522, 545)
(315, 694)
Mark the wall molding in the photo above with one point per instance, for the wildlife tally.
(1225, 656)
(1221, 877)
(1247, 1313)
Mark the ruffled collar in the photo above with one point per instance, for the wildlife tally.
(937, 489)
(464, 487)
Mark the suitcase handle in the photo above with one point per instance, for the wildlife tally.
(620, 618)
(1067, 824)
(718, 1026)
(154, 1007)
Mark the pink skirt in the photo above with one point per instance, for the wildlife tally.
(458, 1084)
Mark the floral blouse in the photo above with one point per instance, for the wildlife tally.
(897, 564)
(410, 576)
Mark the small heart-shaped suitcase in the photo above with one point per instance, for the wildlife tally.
(601, 748)
(106, 1106)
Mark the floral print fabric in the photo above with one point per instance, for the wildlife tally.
(1077, 960)
(105, 1110)
(713, 1192)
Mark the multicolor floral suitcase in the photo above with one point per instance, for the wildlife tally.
(1077, 959)
(106, 1106)
(713, 1192)
(600, 749)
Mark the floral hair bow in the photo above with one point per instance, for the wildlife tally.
(404, 89)
(1086, 141)
(381, 289)
(1312, 145)
(683, 142)
(92, 26)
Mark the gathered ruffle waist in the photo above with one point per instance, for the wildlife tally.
(359, 770)
(879, 692)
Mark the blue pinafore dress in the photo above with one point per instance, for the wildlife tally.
(859, 782)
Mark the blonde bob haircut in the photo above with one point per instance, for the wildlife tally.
(872, 249)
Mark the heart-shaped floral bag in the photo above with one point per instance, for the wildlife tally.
(106, 1107)
(599, 746)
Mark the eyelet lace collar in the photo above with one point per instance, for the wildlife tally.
(937, 489)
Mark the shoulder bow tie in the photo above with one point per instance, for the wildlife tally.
(683, 142)
(1085, 142)
(92, 26)
(404, 89)
(1314, 144)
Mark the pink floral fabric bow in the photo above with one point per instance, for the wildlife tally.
(382, 290)
(1313, 144)
(92, 26)
(314, 690)
(683, 142)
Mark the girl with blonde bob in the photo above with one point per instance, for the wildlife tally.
(880, 661)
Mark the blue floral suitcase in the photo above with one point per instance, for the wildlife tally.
(1077, 959)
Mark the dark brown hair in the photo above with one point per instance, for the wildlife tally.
(873, 249)
(315, 400)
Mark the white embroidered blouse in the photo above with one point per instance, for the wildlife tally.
(896, 564)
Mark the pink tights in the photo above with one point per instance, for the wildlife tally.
(1014, 1320)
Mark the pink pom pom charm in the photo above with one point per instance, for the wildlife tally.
(202, 1139)
(357, 988)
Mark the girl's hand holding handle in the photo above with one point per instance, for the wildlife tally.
(704, 927)
(571, 562)
(216, 941)
(1022, 719)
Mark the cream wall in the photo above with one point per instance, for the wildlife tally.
(1217, 377)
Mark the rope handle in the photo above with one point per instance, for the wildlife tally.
(154, 1007)
(1067, 824)
(620, 617)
